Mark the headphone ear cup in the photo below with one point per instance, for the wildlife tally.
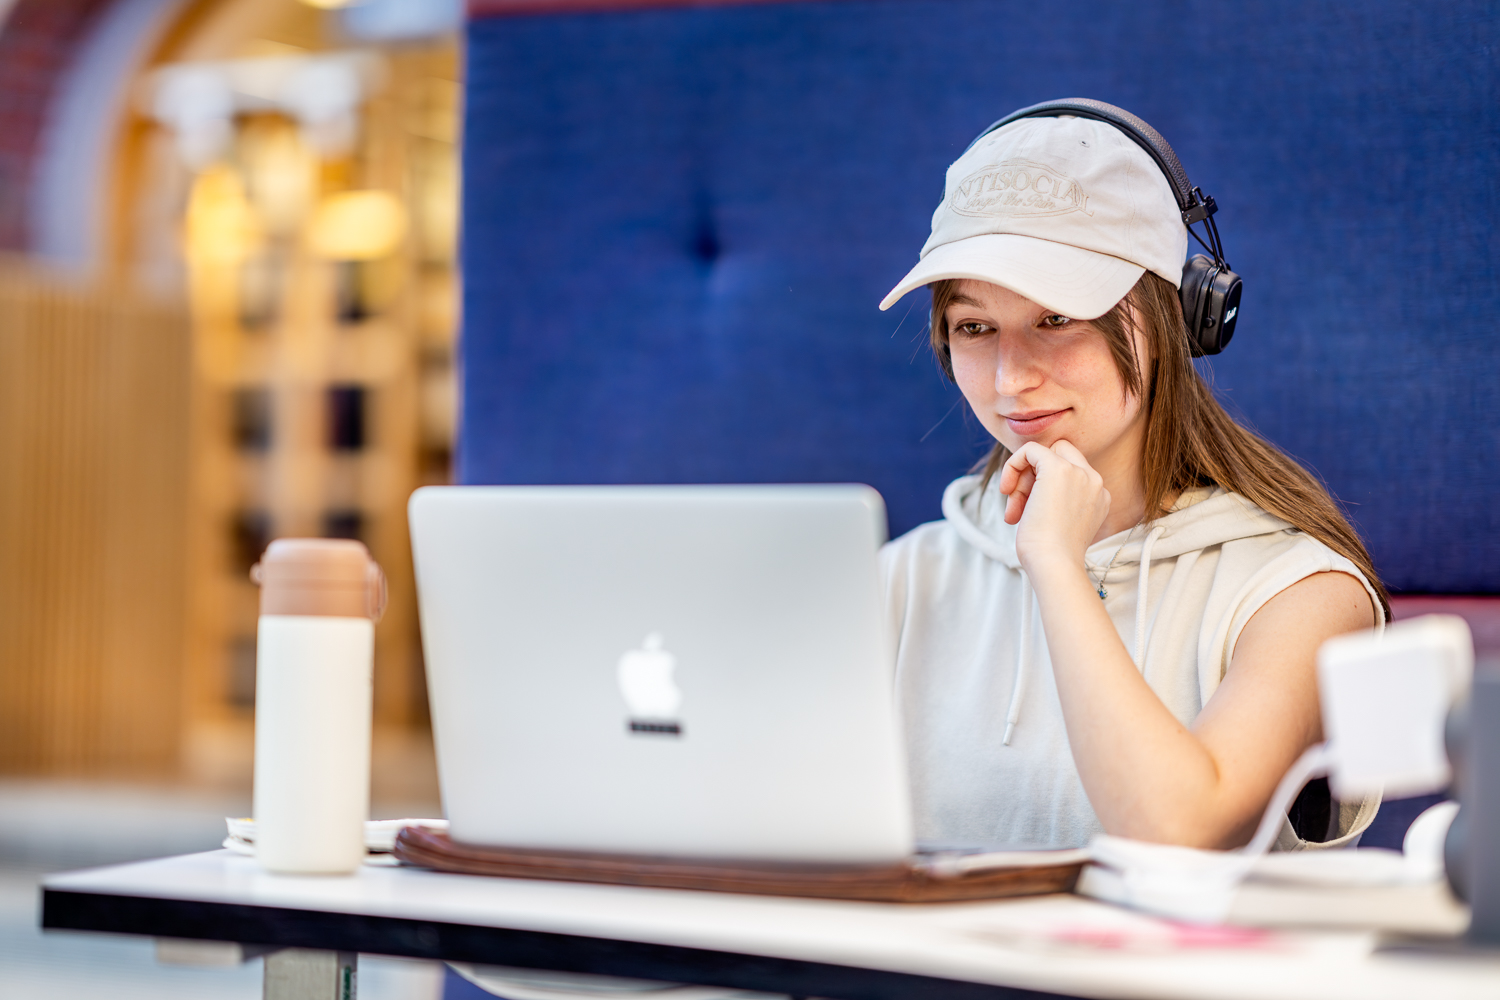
(1222, 304)
(1197, 275)
(1210, 295)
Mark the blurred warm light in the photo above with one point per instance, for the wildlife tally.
(435, 112)
(282, 174)
(437, 205)
(331, 4)
(358, 225)
(222, 227)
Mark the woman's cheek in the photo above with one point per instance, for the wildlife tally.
(976, 380)
(1088, 371)
(1077, 366)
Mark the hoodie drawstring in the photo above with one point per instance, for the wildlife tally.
(1023, 651)
(1140, 598)
(1023, 662)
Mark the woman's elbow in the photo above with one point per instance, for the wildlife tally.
(1186, 827)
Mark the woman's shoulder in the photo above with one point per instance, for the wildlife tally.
(1270, 534)
(1251, 545)
(1213, 516)
(1261, 564)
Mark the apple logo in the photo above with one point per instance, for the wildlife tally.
(645, 677)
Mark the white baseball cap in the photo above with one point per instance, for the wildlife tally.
(1066, 211)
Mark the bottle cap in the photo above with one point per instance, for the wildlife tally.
(330, 577)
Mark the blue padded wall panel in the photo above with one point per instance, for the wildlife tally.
(678, 224)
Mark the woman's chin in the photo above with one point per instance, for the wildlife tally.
(1013, 441)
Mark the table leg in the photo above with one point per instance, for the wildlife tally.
(303, 974)
(180, 951)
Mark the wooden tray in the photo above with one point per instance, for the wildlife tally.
(920, 881)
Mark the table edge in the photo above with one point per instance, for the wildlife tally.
(436, 940)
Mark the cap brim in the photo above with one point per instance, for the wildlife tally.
(1077, 283)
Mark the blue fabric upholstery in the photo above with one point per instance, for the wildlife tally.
(678, 224)
(456, 987)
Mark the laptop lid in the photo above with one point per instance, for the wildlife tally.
(681, 670)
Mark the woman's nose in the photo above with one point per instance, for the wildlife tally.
(1015, 369)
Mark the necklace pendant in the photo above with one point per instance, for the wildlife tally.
(1102, 592)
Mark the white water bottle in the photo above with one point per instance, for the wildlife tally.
(319, 601)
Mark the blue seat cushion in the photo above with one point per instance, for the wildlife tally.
(678, 224)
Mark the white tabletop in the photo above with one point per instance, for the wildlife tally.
(1059, 944)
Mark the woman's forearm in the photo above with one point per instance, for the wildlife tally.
(1146, 775)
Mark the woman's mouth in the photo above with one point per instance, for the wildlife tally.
(1031, 422)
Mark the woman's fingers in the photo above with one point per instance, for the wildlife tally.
(1013, 467)
(1027, 457)
(1068, 489)
(1018, 477)
(1015, 501)
(1066, 450)
(1015, 506)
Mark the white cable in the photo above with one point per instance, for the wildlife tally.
(1312, 764)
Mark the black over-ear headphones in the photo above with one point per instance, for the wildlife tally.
(1210, 290)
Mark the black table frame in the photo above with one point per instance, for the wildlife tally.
(283, 927)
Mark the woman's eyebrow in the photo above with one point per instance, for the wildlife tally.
(963, 300)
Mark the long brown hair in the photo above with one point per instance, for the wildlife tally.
(1190, 440)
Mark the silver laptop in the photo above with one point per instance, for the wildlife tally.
(697, 671)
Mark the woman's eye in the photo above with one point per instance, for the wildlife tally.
(972, 329)
(1054, 321)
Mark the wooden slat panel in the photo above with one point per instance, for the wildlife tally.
(93, 412)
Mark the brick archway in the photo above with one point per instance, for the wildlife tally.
(37, 44)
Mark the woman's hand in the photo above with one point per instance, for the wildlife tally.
(1058, 500)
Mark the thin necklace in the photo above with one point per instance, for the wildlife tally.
(1099, 583)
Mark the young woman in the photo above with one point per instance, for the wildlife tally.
(1115, 626)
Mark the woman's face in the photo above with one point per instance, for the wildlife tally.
(1032, 375)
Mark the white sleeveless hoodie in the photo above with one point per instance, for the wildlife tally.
(988, 752)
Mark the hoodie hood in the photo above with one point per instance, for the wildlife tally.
(1200, 518)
